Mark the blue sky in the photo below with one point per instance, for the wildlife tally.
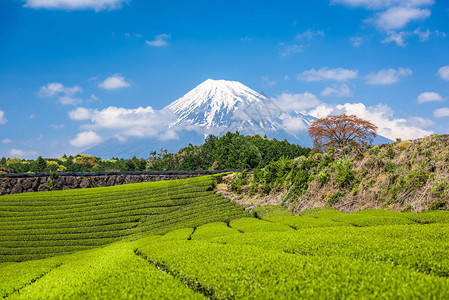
(385, 60)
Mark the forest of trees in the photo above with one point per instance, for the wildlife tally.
(231, 151)
(77, 163)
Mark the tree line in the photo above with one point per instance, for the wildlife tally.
(231, 151)
(77, 163)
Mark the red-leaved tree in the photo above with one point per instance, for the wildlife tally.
(338, 131)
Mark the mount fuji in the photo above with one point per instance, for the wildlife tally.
(215, 107)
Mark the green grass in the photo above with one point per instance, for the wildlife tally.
(172, 240)
(38, 225)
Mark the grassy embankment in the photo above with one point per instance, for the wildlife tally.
(410, 176)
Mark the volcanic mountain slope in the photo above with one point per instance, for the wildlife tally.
(231, 105)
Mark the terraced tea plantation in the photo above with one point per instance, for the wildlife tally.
(38, 225)
(179, 240)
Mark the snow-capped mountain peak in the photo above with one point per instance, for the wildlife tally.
(213, 103)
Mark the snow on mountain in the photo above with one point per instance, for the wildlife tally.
(220, 105)
(212, 102)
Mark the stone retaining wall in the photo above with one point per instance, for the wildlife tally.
(22, 183)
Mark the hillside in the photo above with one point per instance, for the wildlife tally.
(404, 176)
(43, 224)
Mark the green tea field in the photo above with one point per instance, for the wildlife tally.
(180, 240)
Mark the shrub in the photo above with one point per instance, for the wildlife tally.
(438, 205)
(215, 165)
(335, 198)
(344, 173)
(390, 153)
(390, 166)
(408, 208)
(439, 188)
(375, 150)
(239, 181)
(404, 145)
(323, 176)
(302, 180)
(416, 179)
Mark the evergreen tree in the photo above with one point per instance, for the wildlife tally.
(3, 162)
(40, 165)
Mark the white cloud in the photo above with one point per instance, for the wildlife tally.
(444, 72)
(170, 134)
(129, 35)
(297, 102)
(429, 97)
(94, 98)
(75, 4)
(65, 95)
(294, 125)
(266, 80)
(357, 41)
(3, 119)
(392, 15)
(68, 100)
(309, 33)
(423, 35)
(6, 141)
(400, 38)
(287, 50)
(80, 114)
(380, 115)
(387, 76)
(114, 82)
(160, 40)
(397, 17)
(22, 153)
(120, 138)
(337, 74)
(322, 110)
(339, 90)
(397, 37)
(51, 89)
(420, 122)
(383, 4)
(441, 112)
(86, 139)
(125, 122)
